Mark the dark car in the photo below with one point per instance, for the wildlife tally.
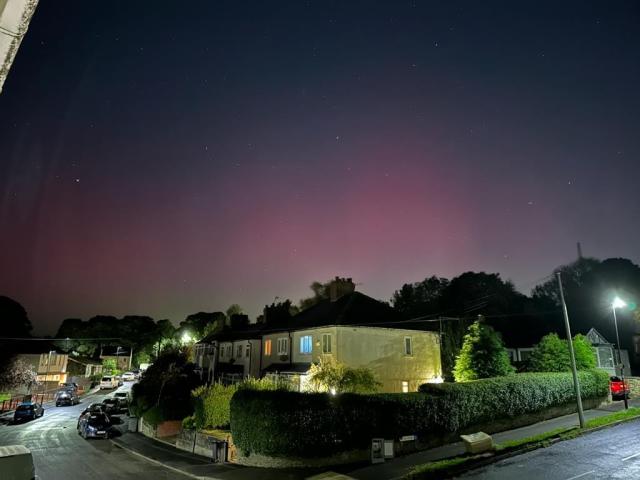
(28, 411)
(69, 386)
(94, 425)
(619, 389)
(112, 406)
(92, 408)
(67, 397)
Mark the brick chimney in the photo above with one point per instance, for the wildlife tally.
(340, 287)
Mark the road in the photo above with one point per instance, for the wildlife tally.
(59, 453)
(611, 453)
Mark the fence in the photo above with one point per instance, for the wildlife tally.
(40, 397)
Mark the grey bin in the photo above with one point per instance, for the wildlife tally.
(133, 424)
(219, 451)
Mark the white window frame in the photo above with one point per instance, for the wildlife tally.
(326, 343)
(408, 352)
(238, 351)
(247, 350)
(405, 386)
(283, 346)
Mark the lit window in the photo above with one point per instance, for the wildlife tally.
(267, 347)
(306, 344)
(408, 347)
(326, 343)
(405, 387)
(283, 346)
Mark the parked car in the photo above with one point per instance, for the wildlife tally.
(28, 411)
(119, 380)
(93, 408)
(108, 382)
(112, 406)
(67, 397)
(94, 425)
(16, 462)
(124, 398)
(128, 376)
(69, 386)
(618, 389)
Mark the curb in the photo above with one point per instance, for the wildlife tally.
(158, 462)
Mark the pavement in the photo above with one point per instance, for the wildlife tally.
(200, 467)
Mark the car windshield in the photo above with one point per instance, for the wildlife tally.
(98, 421)
(106, 379)
(24, 408)
(109, 400)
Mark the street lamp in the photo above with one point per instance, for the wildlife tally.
(619, 303)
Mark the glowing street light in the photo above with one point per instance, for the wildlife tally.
(186, 338)
(619, 303)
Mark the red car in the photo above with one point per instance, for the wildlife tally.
(618, 388)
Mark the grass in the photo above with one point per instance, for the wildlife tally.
(4, 396)
(440, 467)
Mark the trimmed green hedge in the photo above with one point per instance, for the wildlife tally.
(494, 398)
(285, 424)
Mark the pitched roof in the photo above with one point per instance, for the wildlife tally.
(253, 330)
(352, 309)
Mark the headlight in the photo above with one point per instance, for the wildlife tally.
(90, 428)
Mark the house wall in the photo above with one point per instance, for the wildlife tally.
(316, 344)
(383, 351)
(274, 357)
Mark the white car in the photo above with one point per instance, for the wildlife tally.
(128, 376)
(108, 382)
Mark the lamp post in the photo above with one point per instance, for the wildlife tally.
(619, 303)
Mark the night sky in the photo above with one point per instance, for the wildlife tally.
(163, 158)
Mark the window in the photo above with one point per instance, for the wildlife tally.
(525, 353)
(408, 347)
(239, 351)
(267, 347)
(229, 350)
(326, 343)
(605, 357)
(405, 387)
(283, 346)
(247, 351)
(306, 344)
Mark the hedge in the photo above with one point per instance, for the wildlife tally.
(292, 424)
(495, 398)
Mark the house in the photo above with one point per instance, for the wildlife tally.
(122, 356)
(605, 351)
(348, 327)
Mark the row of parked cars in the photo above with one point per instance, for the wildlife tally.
(95, 421)
(113, 381)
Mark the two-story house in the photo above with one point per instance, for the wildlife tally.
(349, 327)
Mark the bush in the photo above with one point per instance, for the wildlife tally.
(280, 423)
(189, 423)
(482, 355)
(329, 375)
(551, 354)
(166, 388)
(212, 402)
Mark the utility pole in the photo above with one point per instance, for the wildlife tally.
(574, 371)
(621, 363)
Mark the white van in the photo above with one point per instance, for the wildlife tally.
(108, 382)
(16, 463)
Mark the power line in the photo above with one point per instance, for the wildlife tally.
(44, 339)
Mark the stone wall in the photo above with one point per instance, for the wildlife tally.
(169, 428)
(634, 386)
(186, 440)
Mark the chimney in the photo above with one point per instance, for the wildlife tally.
(340, 287)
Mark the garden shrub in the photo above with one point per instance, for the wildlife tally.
(281, 423)
(212, 402)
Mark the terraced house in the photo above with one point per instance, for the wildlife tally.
(349, 327)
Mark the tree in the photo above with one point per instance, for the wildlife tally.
(197, 324)
(18, 374)
(551, 354)
(329, 375)
(109, 366)
(233, 310)
(15, 322)
(420, 298)
(482, 355)
(320, 292)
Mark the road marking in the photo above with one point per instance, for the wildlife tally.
(631, 456)
(582, 475)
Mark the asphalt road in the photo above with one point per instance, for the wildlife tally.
(611, 453)
(59, 453)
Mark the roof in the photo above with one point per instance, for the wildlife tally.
(253, 330)
(110, 351)
(355, 309)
